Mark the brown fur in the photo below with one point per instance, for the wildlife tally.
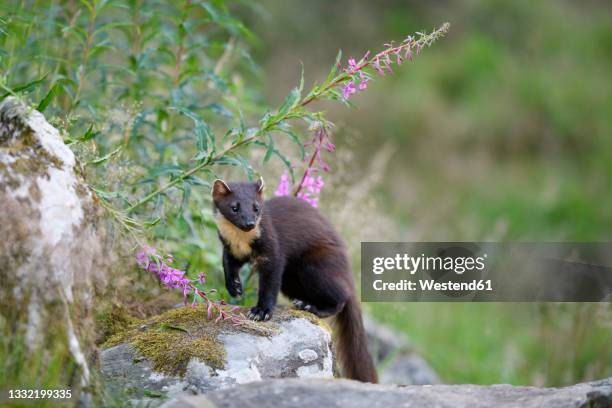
(296, 251)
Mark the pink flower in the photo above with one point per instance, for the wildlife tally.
(283, 186)
(352, 64)
(356, 83)
(363, 81)
(408, 54)
(378, 68)
(149, 260)
(311, 188)
(399, 57)
(348, 89)
(383, 62)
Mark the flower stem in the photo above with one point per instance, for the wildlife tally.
(310, 163)
(314, 95)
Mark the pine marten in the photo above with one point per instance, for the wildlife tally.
(296, 251)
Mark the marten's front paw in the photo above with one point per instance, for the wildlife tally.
(234, 288)
(260, 313)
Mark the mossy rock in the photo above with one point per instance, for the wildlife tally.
(172, 339)
(182, 350)
(55, 255)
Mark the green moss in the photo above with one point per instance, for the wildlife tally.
(170, 350)
(172, 339)
(113, 319)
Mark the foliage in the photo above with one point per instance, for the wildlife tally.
(153, 98)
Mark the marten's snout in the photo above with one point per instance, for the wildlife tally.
(250, 225)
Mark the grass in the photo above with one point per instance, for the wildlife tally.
(516, 343)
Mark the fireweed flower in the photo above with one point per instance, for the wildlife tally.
(348, 89)
(311, 188)
(352, 79)
(363, 81)
(283, 185)
(382, 62)
(150, 260)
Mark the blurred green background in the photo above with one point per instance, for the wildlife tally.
(499, 132)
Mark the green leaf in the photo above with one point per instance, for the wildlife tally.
(26, 87)
(152, 394)
(186, 194)
(200, 155)
(105, 157)
(290, 101)
(282, 157)
(166, 169)
(98, 49)
(223, 19)
(219, 109)
(90, 134)
(48, 98)
(202, 131)
(301, 86)
(270, 150)
(295, 138)
(166, 326)
(152, 222)
(237, 161)
(334, 68)
(108, 26)
(107, 195)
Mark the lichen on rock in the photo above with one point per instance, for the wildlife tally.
(53, 252)
(172, 339)
(182, 351)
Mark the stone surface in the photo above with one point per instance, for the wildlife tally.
(296, 347)
(52, 249)
(289, 393)
(395, 358)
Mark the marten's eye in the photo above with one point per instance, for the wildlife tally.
(236, 207)
(255, 208)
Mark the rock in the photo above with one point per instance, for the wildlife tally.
(395, 358)
(52, 249)
(408, 369)
(288, 393)
(292, 344)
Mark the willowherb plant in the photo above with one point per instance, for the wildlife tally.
(383, 61)
(353, 78)
(150, 96)
(151, 261)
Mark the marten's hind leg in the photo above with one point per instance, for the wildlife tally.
(323, 291)
(322, 313)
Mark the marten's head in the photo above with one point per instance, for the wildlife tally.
(239, 203)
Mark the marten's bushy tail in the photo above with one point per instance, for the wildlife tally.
(353, 345)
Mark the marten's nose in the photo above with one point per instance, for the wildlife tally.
(250, 224)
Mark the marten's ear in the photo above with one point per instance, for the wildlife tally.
(220, 189)
(259, 184)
